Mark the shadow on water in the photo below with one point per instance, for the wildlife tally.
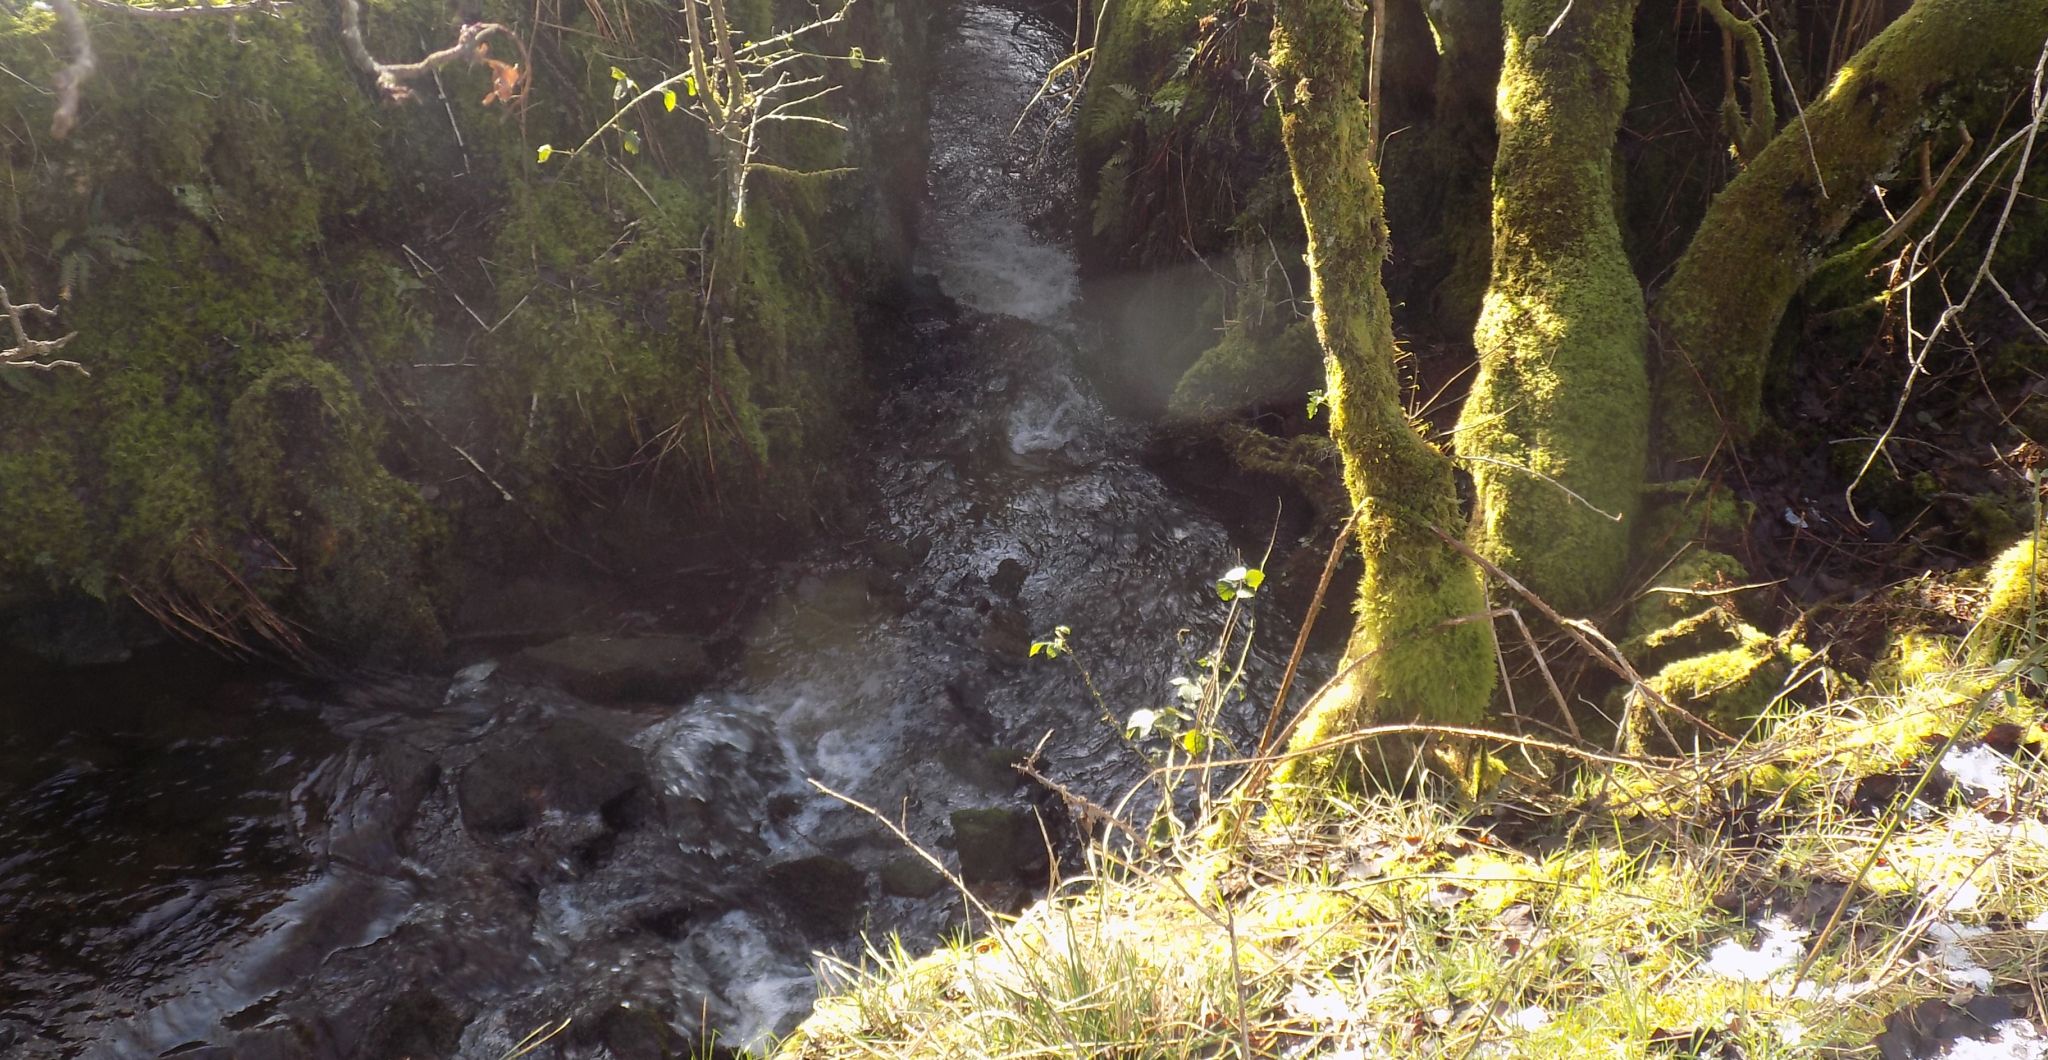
(208, 863)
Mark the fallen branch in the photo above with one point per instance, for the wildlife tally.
(33, 353)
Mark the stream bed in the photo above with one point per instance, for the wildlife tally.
(204, 861)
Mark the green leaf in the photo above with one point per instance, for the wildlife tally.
(1037, 648)
(854, 58)
(631, 142)
(668, 99)
(690, 85)
(1239, 581)
(618, 74)
(1194, 740)
(546, 152)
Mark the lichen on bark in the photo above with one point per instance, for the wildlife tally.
(1556, 427)
(1409, 655)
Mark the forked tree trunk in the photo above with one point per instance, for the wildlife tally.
(1557, 424)
(1407, 658)
(1760, 239)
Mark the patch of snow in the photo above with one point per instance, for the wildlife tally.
(1307, 1003)
(1980, 769)
(1959, 898)
(1957, 964)
(2039, 923)
(2015, 1040)
(1533, 1018)
(1779, 946)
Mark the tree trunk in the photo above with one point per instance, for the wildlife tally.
(1557, 424)
(1403, 661)
(1460, 146)
(1759, 239)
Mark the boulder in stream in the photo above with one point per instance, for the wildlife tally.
(997, 843)
(823, 892)
(658, 667)
(565, 765)
(911, 876)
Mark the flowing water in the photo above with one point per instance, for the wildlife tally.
(207, 863)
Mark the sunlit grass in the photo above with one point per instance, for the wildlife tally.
(1776, 898)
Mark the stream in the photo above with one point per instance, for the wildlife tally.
(204, 861)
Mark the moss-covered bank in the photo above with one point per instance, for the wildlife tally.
(337, 346)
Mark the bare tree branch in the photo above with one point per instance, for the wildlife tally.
(28, 352)
(391, 78)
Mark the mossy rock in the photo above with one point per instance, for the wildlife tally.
(1684, 511)
(1698, 570)
(822, 892)
(1248, 368)
(997, 843)
(910, 876)
(1728, 689)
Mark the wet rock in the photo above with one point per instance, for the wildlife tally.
(1008, 578)
(415, 1024)
(627, 1030)
(988, 768)
(527, 609)
(822, 892)
(997, 843)
(563, 765)
(900, 556)
(611, 669)
(911, 876)
(290, 1042)
(1008, 636)
(408, 774)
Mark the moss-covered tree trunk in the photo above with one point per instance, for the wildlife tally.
(1460, 146)
(1758, 242)
(1558, 420)
(1403, 659)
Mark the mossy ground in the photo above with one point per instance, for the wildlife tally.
(1594, 905)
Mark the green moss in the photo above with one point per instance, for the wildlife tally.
(2014, 617)
(1677, 514)
(1698, 570)
(1729, 688)
(1245, 370)
(297, 303)
(1915, 656)
(1556, 427)
(359, 541)
(48, 536)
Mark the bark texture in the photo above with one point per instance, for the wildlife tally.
(1760, 238)
(1557, 425)
(1403, 661)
